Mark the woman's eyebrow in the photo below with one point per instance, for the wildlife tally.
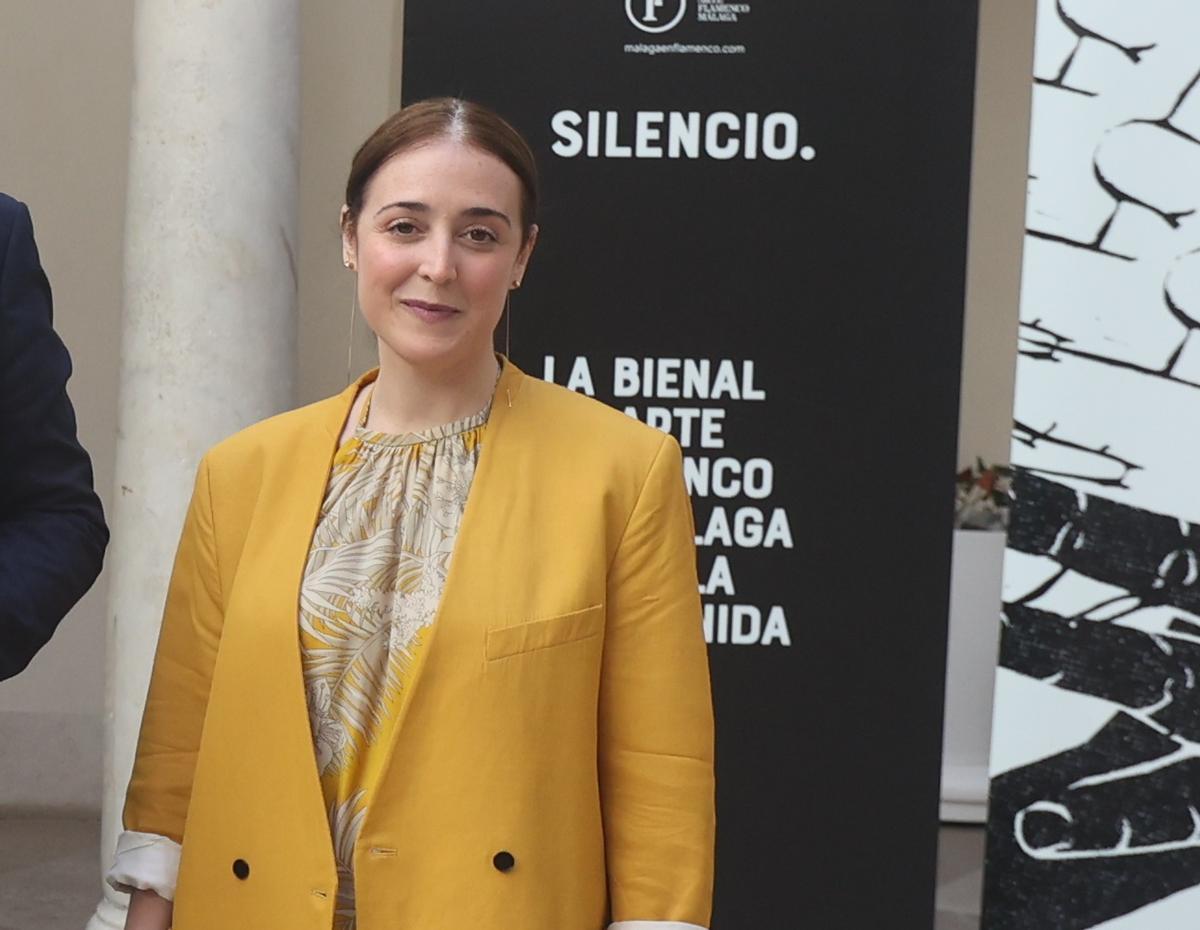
(487, 211)
(415, 205)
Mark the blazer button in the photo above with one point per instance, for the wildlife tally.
(503, 861)
(241, 868)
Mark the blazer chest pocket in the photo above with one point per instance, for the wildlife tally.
(542, 634)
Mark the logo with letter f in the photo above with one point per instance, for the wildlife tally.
(649, 15)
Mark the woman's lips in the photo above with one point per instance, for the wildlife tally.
(430, 312)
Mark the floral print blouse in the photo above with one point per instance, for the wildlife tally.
(371, 588)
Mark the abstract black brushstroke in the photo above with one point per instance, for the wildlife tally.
(1113, 825)
(1068, 855)
(1153, 557)
(1083, 33)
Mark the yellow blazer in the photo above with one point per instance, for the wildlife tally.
(553, 769)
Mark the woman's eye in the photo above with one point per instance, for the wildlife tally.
(403, 228)
(479, 234)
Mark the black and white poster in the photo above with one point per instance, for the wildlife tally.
(753, 236)
(1094, 815)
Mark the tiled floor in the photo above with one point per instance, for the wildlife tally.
(48, 875)
(960, 877)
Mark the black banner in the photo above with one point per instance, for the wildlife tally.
(753, 235)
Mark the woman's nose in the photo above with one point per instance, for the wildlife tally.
(437, 264)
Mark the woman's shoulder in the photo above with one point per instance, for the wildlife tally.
(580, 449)
(586, 422)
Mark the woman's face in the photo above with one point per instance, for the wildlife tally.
(437, 247)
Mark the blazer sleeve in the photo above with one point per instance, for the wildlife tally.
(656, 721)
(52, 532)
(160, 787)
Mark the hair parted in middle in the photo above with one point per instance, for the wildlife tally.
(444, 118)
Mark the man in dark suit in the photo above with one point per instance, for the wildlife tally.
(52, 532)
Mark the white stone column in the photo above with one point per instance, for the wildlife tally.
(208, 334)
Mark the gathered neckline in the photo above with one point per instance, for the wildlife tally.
(433, 434)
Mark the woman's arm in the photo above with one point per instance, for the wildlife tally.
(656, 724)
(147, 911)
(160, 787)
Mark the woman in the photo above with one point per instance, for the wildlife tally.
(431, 655)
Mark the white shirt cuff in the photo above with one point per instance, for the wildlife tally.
(147, 862)
(653, 925)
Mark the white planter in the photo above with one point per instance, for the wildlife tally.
(972, 649)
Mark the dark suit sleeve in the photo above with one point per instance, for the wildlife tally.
(52, 532)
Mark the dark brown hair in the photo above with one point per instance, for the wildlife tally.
(441, 118)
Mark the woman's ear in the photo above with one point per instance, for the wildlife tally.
(523, 256)
(349, 239)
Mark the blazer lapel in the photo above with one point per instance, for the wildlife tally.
(476, 545)
(292, 494)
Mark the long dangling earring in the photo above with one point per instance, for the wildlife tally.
(353, 314)
(508, 325)
(508, 319)
(508, 329)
